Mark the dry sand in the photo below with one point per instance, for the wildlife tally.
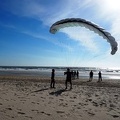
(27, 98)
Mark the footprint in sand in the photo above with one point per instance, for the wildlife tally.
(72, 101)
(9, 108)
(22, 113)
(23, 100)
(45, 113)
(1, 104)
(43, 97)
(19, 109)
(95, 104)
(91, 113)
(35, 111)
(89, 99)
(48, 114)
(78, 107)
(6, 99)
(28, 117)
(51, 98)
(61, 99)
(60, 111)
(33, 102)
(63, 104)
(115, 116)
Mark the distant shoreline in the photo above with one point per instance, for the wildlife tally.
(61, 68)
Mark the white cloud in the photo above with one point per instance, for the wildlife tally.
(108, 11)
(60, 11)
(83, 37)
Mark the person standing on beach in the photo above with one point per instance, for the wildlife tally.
(68, 78)
(77, 74)
(52, 84)
(99, 76)
(91, 76)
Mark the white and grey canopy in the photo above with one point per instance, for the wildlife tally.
(72, 22)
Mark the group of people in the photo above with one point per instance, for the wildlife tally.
(74, 74)
(91, 76)
(69, 74)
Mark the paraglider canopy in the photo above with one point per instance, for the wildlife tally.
(71, 22)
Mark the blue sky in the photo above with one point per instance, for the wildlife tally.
(25, 39)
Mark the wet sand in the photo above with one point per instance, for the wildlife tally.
(31, 98)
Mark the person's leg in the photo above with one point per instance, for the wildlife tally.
(54, 84)
(51, 84)
(91, 78)
(70, 85)
(66, 84)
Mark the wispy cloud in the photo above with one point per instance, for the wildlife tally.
(108, 12)
(83, 37)
(27, 8)
(7, 25)
(49, 39)
(67, 9)
(47, 13)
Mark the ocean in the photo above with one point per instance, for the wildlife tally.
(59, 71)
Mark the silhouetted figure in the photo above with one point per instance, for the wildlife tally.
(99, 77)
(68, 78)
(72, 74)
(91, 76)
(52, 84)
(77, 74)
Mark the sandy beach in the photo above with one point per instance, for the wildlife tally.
(31, 98)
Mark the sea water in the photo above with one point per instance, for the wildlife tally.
(59, 71)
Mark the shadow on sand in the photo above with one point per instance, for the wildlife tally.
(43, 89)
(58, 92)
